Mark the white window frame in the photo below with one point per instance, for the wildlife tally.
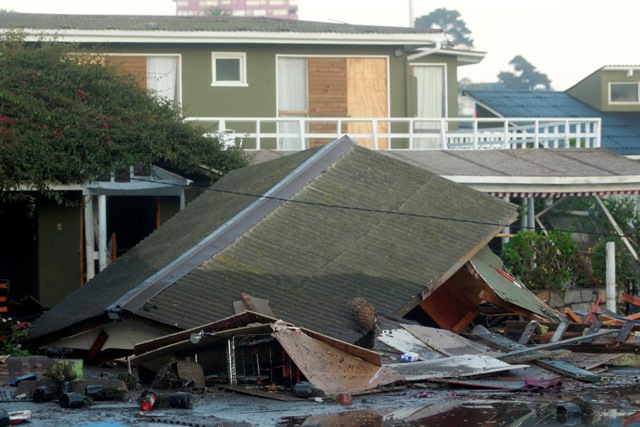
(636, 84)
(242, 56)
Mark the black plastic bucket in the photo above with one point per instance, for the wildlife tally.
(42, 394)
(71, 400)
(95, 392)
(5, 420)
(181, 399)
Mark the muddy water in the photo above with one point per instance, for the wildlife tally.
(592, 407)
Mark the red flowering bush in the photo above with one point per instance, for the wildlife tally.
(12, 332)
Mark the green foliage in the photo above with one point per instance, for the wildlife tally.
(525, 77)
(624, 213)
(12, 333)
(539, 261)
(67, 117)
(59, 372)
(449, 21)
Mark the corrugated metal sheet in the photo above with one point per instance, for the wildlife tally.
(335, 240)
(620, 131)
(487, 264)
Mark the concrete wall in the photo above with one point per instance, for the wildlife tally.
(576, 299)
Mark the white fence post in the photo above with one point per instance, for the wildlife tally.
(611, 276)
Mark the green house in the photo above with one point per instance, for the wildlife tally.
(311, 79)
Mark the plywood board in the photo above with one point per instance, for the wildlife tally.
(330, 369)
(135, 66)
(446, 342)
(405, 342)
(367, 96)
(449, 308)
(452, 367)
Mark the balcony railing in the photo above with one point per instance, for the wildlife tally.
(297, 133)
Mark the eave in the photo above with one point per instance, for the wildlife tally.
(237, 37)
(573, 185)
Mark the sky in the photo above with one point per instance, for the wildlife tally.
(565, 39)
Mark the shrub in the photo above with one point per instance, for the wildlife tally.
(12, 333)
(543, 261)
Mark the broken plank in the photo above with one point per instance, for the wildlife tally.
(625, 297)
(624, 333)
(528, 331)
(572, 315)
(524, 358)
(593, 327)
(495, 300)
(556, 366)
(560, 330)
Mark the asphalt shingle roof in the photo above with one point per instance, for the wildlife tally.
(333, 239)
(620, 131)
(191, 23)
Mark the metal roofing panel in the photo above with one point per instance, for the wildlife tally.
(488, 265)
(513, 104)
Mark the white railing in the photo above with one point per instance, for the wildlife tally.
(295, 133)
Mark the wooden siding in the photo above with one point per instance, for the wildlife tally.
(327, 79)
(136, 66)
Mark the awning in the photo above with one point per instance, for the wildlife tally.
(557, 195)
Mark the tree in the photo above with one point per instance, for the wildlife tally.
(451, 23)
(525, 77)
(67, 117)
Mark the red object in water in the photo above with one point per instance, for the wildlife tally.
(147, 400)
(344, 399)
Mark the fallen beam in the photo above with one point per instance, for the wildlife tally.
(560, 367)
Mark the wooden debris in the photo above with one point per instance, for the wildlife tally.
(624, 333)
(528, 331)
(528, 357)
(593, 328)
(452, 367)
(572, 315)
(562, 328)
(495, 300)
(557, 366)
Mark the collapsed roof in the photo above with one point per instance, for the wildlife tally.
(308, 232)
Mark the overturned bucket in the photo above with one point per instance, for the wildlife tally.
(344, 399)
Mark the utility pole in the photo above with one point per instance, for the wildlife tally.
(411, 17)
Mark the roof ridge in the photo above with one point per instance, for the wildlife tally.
(223, 236)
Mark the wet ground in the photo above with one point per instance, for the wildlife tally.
(614, 402)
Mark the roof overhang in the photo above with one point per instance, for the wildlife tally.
(541, 186)
(236, 37)
(465, 57)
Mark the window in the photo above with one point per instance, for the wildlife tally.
(229, 69)
(623, 93)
